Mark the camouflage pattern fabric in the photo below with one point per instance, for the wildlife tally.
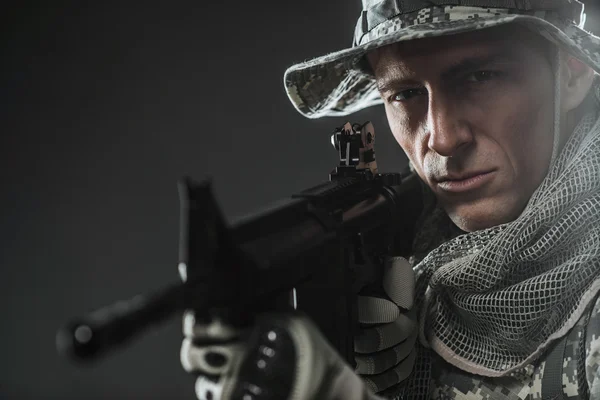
(435, 378)
(592, 351)
(339, 84)
(580, 374)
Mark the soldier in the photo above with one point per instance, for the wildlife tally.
(496, 104)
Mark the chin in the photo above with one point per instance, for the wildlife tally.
(469, 224)
(486, 214)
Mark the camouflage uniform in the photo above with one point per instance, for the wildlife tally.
(580, 371)
(580, 349)
(341, 83)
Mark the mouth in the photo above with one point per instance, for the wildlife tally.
(465, 182)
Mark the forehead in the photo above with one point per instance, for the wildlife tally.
(510, 41)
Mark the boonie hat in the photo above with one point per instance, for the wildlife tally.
(338, 84)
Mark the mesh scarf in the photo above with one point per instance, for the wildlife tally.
(494, 299)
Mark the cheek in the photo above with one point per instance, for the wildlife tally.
(528, 144)
(407, 138)
(401, 125)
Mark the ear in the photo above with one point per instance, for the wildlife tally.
(577, 79)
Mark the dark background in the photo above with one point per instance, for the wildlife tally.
(103, 107)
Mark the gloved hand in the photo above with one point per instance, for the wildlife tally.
(283, 357)
(385, 346)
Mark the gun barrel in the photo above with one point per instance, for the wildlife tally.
(87, 337)
(284, 247)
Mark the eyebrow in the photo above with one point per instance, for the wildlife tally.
(468, 64)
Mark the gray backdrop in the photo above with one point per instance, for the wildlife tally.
(103, 107)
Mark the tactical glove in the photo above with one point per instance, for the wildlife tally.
(283, 357)
(385, 346)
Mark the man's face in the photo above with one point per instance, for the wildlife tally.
(474, 114)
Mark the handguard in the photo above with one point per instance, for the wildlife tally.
(313, 252)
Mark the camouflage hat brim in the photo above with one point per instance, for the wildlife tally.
(337, 84)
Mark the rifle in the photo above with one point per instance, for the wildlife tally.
(313, 252)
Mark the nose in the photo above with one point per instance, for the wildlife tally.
(448, 132)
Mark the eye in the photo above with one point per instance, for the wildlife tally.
(482, 76)
(408, 94)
